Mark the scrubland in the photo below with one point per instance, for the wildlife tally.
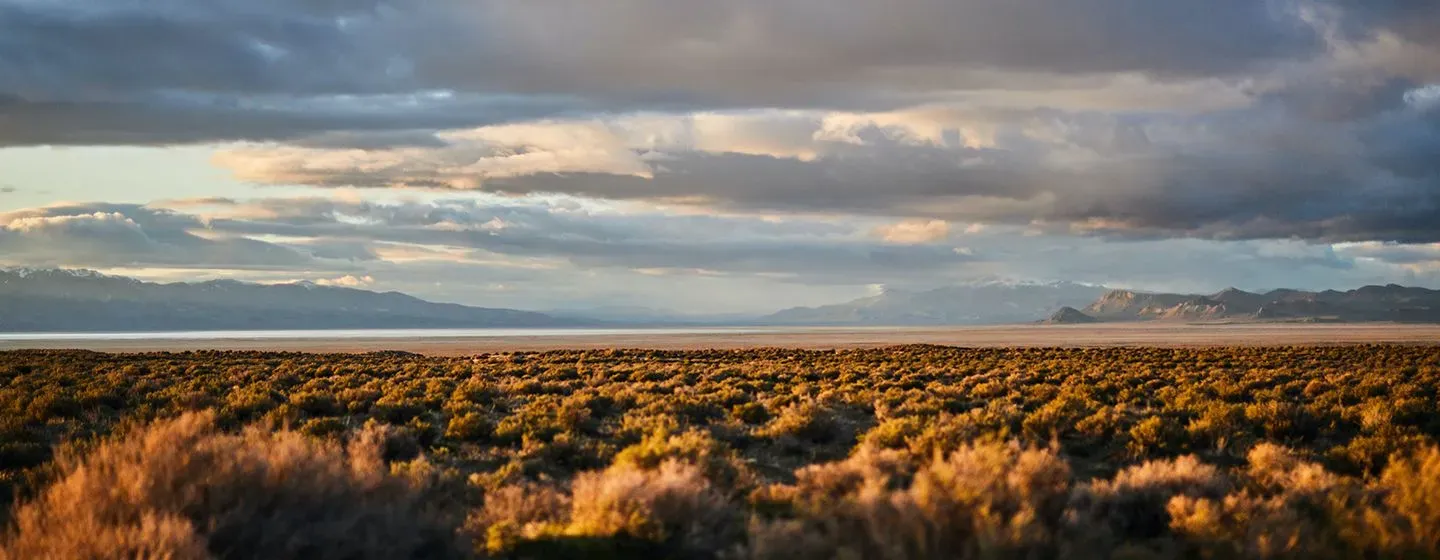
(911, 452)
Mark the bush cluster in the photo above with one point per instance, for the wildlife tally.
(909, 452)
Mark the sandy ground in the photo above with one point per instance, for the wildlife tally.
(828, 338)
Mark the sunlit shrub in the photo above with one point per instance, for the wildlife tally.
(1412, 489)
(469, 427)
(825, 451)
(1132, 506)
(674, 504)
(183, 490)
(718, 463)
(987, 501)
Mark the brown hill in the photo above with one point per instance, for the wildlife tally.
(1069, 316)
(1370, 303)
(1132, 305)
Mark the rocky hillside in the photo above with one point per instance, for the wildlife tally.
(1069, 316)
(1371, 303)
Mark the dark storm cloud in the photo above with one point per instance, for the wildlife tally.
(1416, 20)
(1250, 173)
(93, 49)
(766, 51)
(1330, 133)
(179, 119)
(92, 72)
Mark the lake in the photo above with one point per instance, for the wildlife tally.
(381, 334)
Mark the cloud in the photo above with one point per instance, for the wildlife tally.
(747, 145)
(465, 159)
(1238, 119)
(914, 231)
(115, 235)
(1255, 172)
(1416, 20)
(168, 118)
(553, 253)
(799, 248)
(351, 237)
(228, 70)
(1426, 254)
(7, 189)
(566, 253)
(809, 250)
(347, 281)
(103, 223)
(357, 47)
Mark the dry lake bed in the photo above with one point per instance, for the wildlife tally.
(462, 342)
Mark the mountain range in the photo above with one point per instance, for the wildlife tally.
(982, 303)
(1391, 303)
(50, 300)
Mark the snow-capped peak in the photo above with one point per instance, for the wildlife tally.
(26, 272)
(997, 281)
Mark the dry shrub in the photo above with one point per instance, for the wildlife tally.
(718, 462)
(820, 489)
(1276, 468)
(523, 504)
(626, 510)
(1411, 486)
(1290, 508)
(986, 500)
(983, 501)
(674, 504)
(182, 489)
(516, 513)
(1132, 507)
(469, 427)
(808, 422)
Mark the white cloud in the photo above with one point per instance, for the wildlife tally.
(347, 281)
(911, 232)
(467, 160)
(97, 221)
(1425, 97)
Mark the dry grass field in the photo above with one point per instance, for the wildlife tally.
(904, 452)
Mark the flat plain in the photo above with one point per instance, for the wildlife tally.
(1169, 335)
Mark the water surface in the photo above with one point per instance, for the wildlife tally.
(349, 334)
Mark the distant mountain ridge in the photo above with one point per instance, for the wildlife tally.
(985, 303)
(1392, 302)
(56, 300)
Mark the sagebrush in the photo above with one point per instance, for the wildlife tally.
(912, 452)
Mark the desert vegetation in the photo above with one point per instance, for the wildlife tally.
(911, 452)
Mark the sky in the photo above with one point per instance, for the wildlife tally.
(713, 157)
